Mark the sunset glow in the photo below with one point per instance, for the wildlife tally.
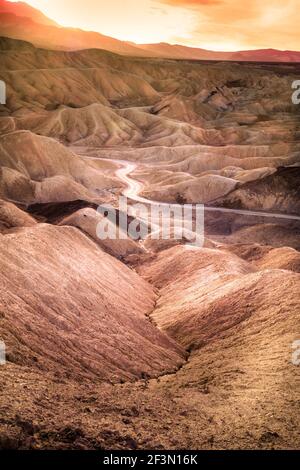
(212, 24)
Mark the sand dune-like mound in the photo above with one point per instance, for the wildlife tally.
(37, 87)
(161, 131)
(239, 320)
(265, 257)
(270, 234)
(80, 312)
(47, 171)
(19, 188)
(191, 263)
(44, 89)
(94, 125)
(87, 220)
(280, 258)
(185, 109)
(245, 339)
(199, 190)
(215, 293)
(12, 217)
(16, 186)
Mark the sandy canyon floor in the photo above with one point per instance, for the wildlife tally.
(124, 344)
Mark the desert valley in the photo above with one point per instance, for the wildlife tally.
(142, 344)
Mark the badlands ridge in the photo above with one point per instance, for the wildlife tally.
(135, 345)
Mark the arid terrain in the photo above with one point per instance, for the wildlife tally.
(142, 344)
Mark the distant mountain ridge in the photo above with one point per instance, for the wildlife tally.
(21, 21)
(178, 51)
(24, 10)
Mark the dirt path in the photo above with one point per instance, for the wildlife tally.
(134, 188)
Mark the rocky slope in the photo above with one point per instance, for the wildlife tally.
(201, 131)
(239, 329)
(125, 344)
(38, 169)
(277, 192)
(82, 316)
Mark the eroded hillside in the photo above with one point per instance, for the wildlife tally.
(132, 344)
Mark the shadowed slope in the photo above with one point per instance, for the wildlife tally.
(39, 169)
(80, 312)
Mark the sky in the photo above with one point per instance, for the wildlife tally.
(211, 24)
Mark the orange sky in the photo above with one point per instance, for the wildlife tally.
(211, 24)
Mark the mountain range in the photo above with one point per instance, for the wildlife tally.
(18, 20)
